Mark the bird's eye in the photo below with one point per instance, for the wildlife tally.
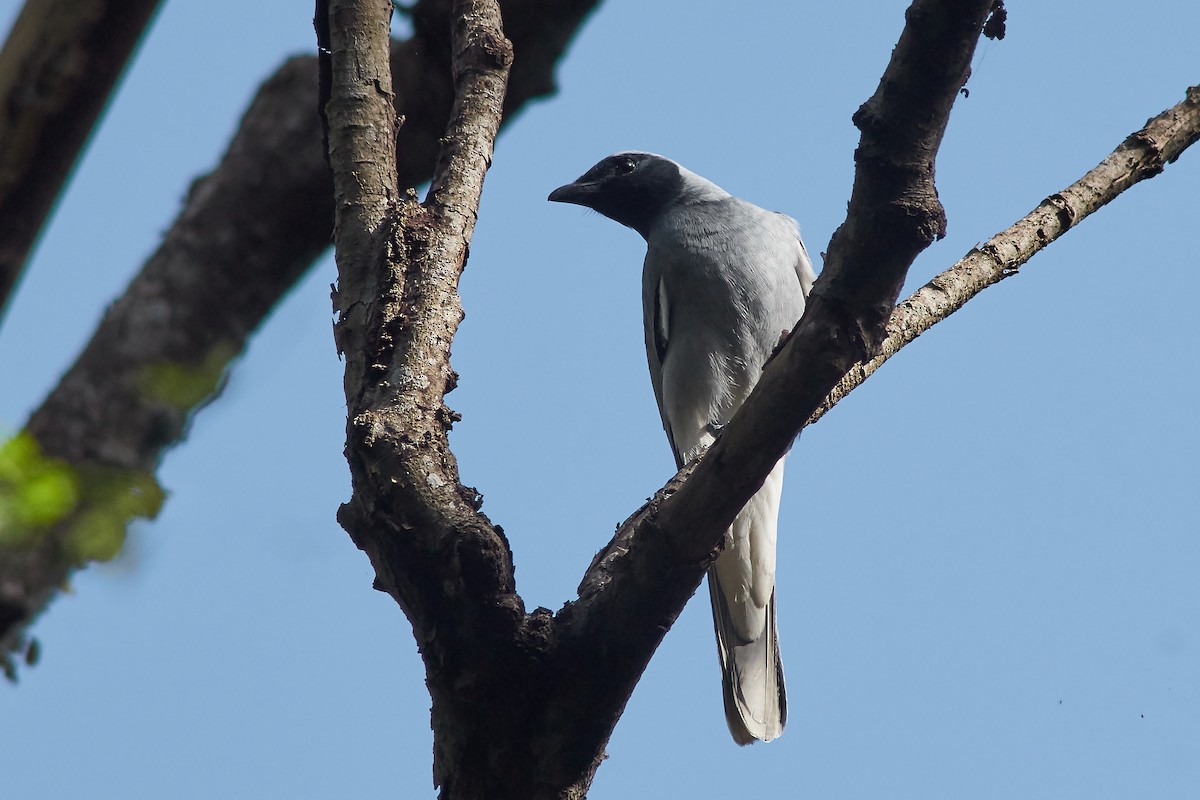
(626, 166)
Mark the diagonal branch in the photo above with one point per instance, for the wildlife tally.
(638, 556)
(657, 546)
(162, 348)
(1142, 155)
(637, 586)
(58, 67)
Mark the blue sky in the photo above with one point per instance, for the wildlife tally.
(988, 554)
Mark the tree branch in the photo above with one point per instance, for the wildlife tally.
(562, 681)
(445, 564)
(628, 594)
(500, 679)
(1142, 155)
(248, 231)
(59, 65)
(666, 543)
(162, 348)
(637, 586)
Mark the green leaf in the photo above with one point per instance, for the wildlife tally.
(35, 491)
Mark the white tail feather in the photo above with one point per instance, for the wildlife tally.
(742, 588)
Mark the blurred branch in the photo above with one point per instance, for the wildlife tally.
(248, 231)
(58, 67)
(1142, 155)
(245, 235)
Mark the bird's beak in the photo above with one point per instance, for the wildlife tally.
(576, 192)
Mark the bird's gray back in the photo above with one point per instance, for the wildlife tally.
(722, 280)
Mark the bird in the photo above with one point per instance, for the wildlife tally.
(723, 280)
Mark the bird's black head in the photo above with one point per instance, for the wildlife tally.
(630, 188)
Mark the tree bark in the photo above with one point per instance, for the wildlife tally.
(399, 262)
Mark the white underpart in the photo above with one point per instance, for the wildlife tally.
(746, 568)
(746, 574)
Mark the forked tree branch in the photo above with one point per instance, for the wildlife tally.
(59, 65)
(660, 545)
(248, 231)
(1142, 155)
(636, 587)
(399, 262)
(502, 680)
(653, 546)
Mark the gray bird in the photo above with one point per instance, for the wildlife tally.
(723, 280)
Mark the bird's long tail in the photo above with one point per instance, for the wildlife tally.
(742, 587)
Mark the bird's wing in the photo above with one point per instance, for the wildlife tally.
(690, 349)
(656, 320)
(804, 267)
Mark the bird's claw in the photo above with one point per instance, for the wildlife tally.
(783, 337)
